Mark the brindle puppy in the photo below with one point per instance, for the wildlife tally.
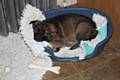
(65, 30)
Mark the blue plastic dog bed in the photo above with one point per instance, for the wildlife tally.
(80, 11)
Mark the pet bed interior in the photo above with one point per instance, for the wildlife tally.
(105, 32)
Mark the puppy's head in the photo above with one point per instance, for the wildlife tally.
(40, 31)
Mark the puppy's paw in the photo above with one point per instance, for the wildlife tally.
(74, 46)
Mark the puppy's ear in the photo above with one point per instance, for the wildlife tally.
(94, 34)
(36, 22)
(32, 22)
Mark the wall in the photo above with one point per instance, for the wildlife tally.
(10, 12)
(110, 8)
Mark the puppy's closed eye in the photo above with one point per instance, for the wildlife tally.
(93, 34)
(36, 22)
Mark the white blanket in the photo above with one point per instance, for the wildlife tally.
(17, 62)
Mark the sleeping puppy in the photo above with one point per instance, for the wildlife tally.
(66, 30)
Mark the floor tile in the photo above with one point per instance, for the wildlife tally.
(115, 64)
(107, 71)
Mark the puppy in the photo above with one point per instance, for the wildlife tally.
(65, 30)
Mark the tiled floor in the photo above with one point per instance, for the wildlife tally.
(106, 66)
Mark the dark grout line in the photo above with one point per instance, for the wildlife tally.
(70, 76)
(80, 74)
(114, 45)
